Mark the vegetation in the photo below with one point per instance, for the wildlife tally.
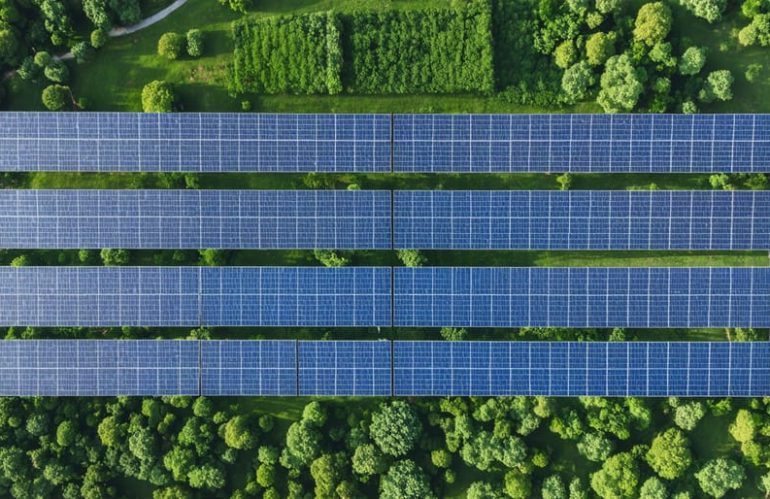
(158, 97)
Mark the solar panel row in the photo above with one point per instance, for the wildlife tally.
(174, 219)
(582, 297)
(655, 143)
(687, 369)
(366, 368)
(582, 220)
(192, 296)
(362, 143)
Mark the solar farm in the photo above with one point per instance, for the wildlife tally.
(384, 298)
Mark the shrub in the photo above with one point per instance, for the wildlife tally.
(55, 97)
(170, 45)
(99, 38)
(195, 43)
(158, 97)
(42, 59)
(57, 72)
(81, 51)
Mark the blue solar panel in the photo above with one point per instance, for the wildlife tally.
(345, 368)
(698, 369)
(171, 219)
(581, 143)
(192, 296)
(248, 368)
(216, 142)
(582, 297)
(582, 220)
(98, 367)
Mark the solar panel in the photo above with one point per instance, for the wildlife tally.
(582, 220)
(192, 296)
(658, 143)
(171, 219)
(582, 297)
(98, 367)
(194, 142)
(686, 369)
(234, 367)
(345, 368)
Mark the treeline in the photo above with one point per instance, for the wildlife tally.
(390, 52)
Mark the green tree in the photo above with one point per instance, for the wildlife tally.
(395, 428)
(757, 32)
(314, 413)
(565, 181)
(752, 72)
(195, 43)
(577, 81)
(411, 257)
(266, 475)
(577, 489)
(114, 257)
(327, 472)
(179, 461)
(565, 54)
(621, 85)
(517, 485)
(368, 460)
(595, 446)
(303, 442)
(483, 490)
(330, 258)
(405, 480)
(81, 51)
(454, 333)
(171, 45)
(236, 5)
(57, 72)
(441, 458)
(65, 434)
(653, 22)
(692, 61)
(20, 261)
(669, 454)
(608, 6)
(617, 478)
(687, 416)
(745, 426)
(109, 432)
(99, 38)
(710, 10)
(206, 476)
(56, 97)
(653, 488)
(553, 488)
(213, 257)
(720, 475)
(9, 45)
(718, 86)
(239, 433)
(600, 47)
(158, 97)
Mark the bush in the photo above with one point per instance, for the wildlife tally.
(57, 72)
(170, 45)
(195, 43)
(236, 5)
(158, 97)
(43, 59)
(55, 97)
(99, 38)
(752, 72)
(81, 51)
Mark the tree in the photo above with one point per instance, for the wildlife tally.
(653, 488)
(411, 257)
(757, 32)
(653, 22)
(618, 477)
(621, 85)
(20, 261)
(720, 475)
(171, 45)
(669, 454)
(710, 10)
(405, 480)
(553, 488)
(577, 80)
(195, 43)
(179, 461)
(109, 432)
(483, 490)
(238, 433)
(57, 72)
(330, 258)
(114, 257)
(718, 85)
(565, 54)
(99, 38)
(595, 446)
(314, 413)
(236, 5)
(454, 333)
(127, 11)
(55, 97)
(517, 485)
(158, 97)
(692, 61)
(266, 475)
(395, 428)
(9, 45)
(577, 489)
(441, 458)
(303, 442)
(368, 460)
(206, 476)
(752, 72)
(745, 426)
(599, 47)
(65, 434)
(687, 416)
(327, 472)
(81, 51)
(565, 181)
(608, 6)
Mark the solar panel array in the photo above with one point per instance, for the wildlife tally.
(174, 219)
(582, 220)
(192, 296)
(236, 367)
(686, 369)
(194, 142)
(657, 143)
(582, 297)
(345, 368)
(98, 367)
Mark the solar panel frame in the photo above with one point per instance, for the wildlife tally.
(344, 368)
(582, 220)
(581, 143)
(582, 297)
(569, 369)
(194, 142)
(248, 368)
(195, 219)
